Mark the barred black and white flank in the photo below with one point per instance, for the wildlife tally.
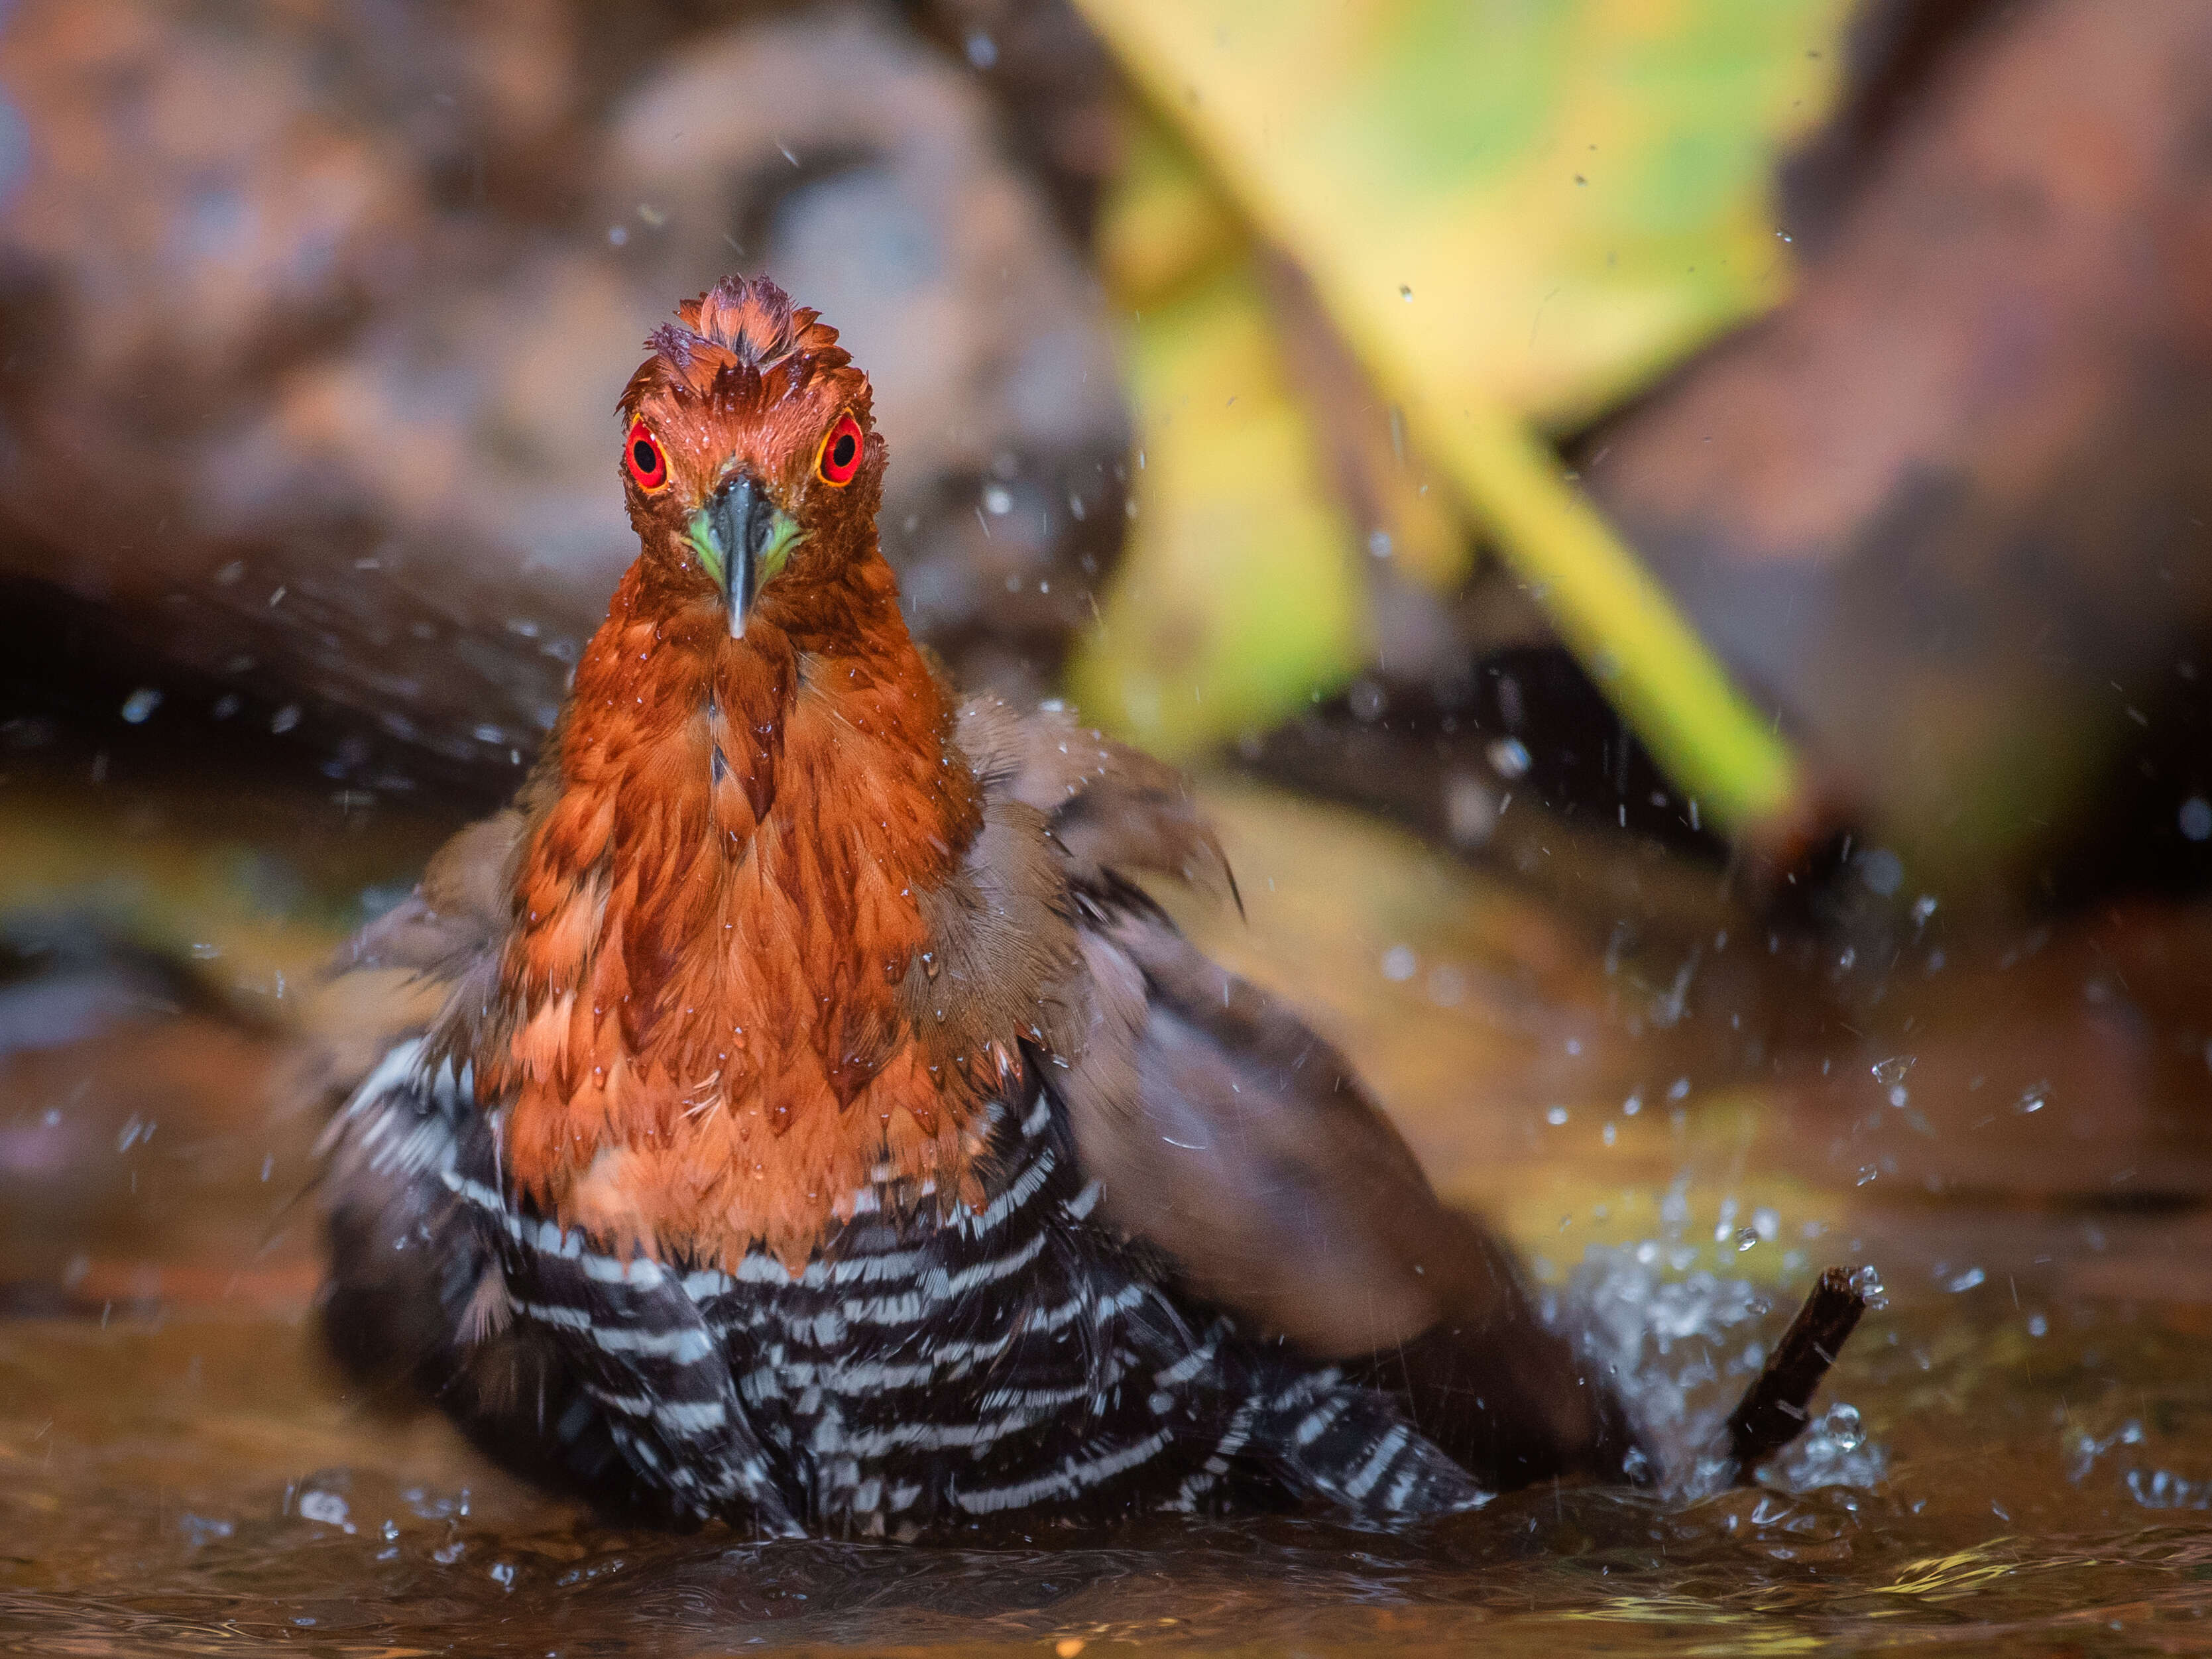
(1204, 1274)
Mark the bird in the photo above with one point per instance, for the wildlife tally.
(795, 1111)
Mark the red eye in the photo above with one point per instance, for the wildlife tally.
(840, 451)
(641, 453)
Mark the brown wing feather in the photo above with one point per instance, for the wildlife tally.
(432, 962)
(1233, 1138)
(1107, 806)
(456, 914)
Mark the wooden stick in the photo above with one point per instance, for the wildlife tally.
(1773, 1410)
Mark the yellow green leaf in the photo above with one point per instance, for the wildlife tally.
(1513, 211)
(1235, 602)
(1549, 202)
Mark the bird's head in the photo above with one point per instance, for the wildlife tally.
(748, 454)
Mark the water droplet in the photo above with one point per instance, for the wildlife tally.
(1510, 757)
(200, 1529)
(140, 704)
(1868, 1282)
(1399, 963)
(1882, 870)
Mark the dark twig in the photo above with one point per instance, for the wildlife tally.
(1772, 1411)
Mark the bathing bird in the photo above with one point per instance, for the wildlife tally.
(794, 1110)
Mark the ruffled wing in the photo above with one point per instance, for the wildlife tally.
(1241, 1146)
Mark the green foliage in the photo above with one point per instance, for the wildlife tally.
(1235, 600)
(1514, 211)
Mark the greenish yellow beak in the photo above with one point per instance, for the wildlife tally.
(743, 540)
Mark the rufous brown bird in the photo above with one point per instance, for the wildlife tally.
(792, 1110)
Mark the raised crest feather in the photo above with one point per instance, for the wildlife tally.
(741, 341)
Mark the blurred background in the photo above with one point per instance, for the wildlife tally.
(1673, 534)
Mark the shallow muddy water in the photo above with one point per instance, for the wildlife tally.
(2014, 1454)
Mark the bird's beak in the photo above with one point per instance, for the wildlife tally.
(742, 539)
